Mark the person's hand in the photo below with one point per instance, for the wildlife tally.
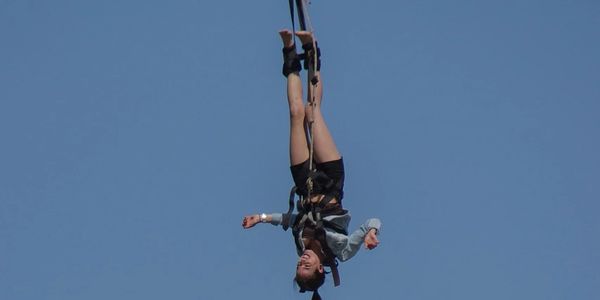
(371, 240)
(250, 221)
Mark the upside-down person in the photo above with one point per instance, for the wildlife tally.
(320, 227)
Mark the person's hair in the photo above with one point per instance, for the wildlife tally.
(312, 283)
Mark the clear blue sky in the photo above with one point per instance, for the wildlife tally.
(134, 135)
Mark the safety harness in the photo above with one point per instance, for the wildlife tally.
(312, 215)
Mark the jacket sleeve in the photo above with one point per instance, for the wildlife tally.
(348, 246)
(277, 219)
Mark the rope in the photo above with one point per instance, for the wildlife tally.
(312, 86)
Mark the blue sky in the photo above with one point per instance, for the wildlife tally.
(136, 134)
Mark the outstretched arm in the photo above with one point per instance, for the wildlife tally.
(274, 219)
(251, 220)
(366, 234)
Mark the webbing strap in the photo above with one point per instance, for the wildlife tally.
(331, 262)
(291, 2)
(335, 273)
(301, 16)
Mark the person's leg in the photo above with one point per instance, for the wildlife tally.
(324, 146)
(299, 152)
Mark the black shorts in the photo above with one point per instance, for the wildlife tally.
(333, 169)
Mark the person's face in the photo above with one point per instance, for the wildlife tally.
(308, 264)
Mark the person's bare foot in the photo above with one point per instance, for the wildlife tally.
(306, 37)
(287, 38)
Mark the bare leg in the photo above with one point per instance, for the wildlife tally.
(324, 146)
(298, 145)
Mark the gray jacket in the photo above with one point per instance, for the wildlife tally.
(343, 246)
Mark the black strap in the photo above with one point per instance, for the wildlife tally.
(301, 18)
(331, 261)
(292, 15)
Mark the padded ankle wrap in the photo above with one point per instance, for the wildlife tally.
(309, 56)
(291, 61)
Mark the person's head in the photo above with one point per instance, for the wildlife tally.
(310, 274)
